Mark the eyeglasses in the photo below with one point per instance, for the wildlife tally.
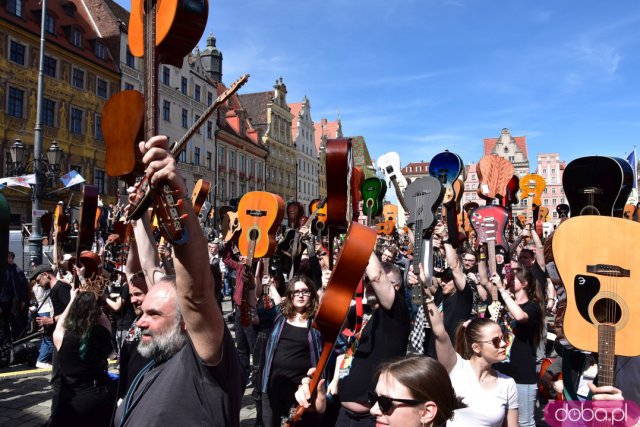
(496, 341)
(386, 403)
(301, 293)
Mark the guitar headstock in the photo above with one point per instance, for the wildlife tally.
(166, 206)
(389, 164)
(139, 201)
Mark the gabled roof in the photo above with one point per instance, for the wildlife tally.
(327, 129)
(120, 13)
(521, 142)
(424, 167)
(256, 106)
(233, 114)
(295, 109)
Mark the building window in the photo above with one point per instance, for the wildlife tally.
(184, 118)
(196, 156)
(130, 59)
(165, 75)
(233, 189)
(183, 85)
(223, 188)
(99, 180)
(76, 38)
(78, 78)
(197, 93)
(16, 52)
(209, 130)
(76, 121)
(209, 160)
(232, 160)
(166, 110)
(243, 188)
(182, 157)
(221, 156)
(553, 190)
(241, 160)
(250, 168)
(199, 131)
(128, 86)
(16, 99)
(48, 112)
(15, 7)
(101, 51)
(50, 65)
(209, 98)
(102, 89)
(50, 24)
(98, 130)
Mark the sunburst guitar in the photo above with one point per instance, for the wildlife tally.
(596, 259)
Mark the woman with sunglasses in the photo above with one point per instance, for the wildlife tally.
(491, 397)
(292, 348)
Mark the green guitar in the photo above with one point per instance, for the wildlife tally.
(373, 190)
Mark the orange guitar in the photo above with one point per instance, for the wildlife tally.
(260, 214)
(531, 187)
(390, 213)
(494, 174)
(386, 227)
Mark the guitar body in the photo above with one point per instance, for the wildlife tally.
(373, 191)
(390, 213)
(200, 194)
(229, 223)
(597, 185)
(494, 173)
(357, 178)
(294, 212)
(596, 259)
(542, 389)
(423, 196)
(178, 24)
(490, 222)
(532, 185)
(319, 223)
(260, 214)
(446, 167)
(563, 211)
(339, 159)
(387, 227)
(122, 119)
(629, 212)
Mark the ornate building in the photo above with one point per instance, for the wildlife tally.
(303, 133)
(323, 131)
(551, 169)
(415, 170)
(471, 187)
(80, 75)
(271, 117)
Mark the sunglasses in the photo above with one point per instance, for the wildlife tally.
(301, 293)
(496, 341)
(385, 403)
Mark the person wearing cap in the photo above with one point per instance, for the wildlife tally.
(44, 309)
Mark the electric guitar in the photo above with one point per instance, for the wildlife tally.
(389, 163)
(532, 186)
(597, 185)
(446, 167)
(423, 196)
(490, 223)
(373, 191)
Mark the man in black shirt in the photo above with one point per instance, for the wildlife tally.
(195, 377)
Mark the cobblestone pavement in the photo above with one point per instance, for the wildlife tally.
(25, 395)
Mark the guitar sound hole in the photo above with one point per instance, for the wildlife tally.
(253, 234)
(607, 310)
(589, 210)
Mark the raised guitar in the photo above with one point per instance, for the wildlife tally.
(532, 186)
(389, 163)
(229, 223)
(597, 185)
(373, 191)
(489, 223)
(319, 223)
(494, 173)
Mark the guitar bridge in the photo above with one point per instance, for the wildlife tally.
(608, 270)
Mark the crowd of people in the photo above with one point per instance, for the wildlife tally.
(443, 362)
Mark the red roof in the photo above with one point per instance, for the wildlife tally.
(234, 114)
(328, 129)
(521, 142)
(295, 110)
(424, 167)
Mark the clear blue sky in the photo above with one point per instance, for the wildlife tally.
(419, 76)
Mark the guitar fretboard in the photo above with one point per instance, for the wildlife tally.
(606, 353)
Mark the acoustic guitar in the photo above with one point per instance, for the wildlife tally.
(373, 191)
(629, 212)
(563, 211)
(229, 223)
(423, 196)
(446, 167)
(60, 228)
(86, 236)
(319, 223)
(339, 159)
(347, 273)
(597, 185)
(390, 212)
(595, 257)
(386, 227)
(260, 214)
(294, 212)
(357, 178)
(494, 173)
(389, 163)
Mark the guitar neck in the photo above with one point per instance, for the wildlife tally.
(491, 255)
(606, 353)
(399, 193)
(151, 74)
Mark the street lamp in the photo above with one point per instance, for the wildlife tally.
(18, 156)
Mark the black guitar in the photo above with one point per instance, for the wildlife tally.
(423, 196)
(597, 185)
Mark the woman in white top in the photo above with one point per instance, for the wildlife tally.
(491, 397)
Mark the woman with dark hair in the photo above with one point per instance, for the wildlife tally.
(83, 340)
(523, 324)
(293, 347)
(413, 391)
(490, 397)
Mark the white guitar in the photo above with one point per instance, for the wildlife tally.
(389, 163)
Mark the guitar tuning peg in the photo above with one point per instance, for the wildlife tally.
(179, 203)
(183, 217)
